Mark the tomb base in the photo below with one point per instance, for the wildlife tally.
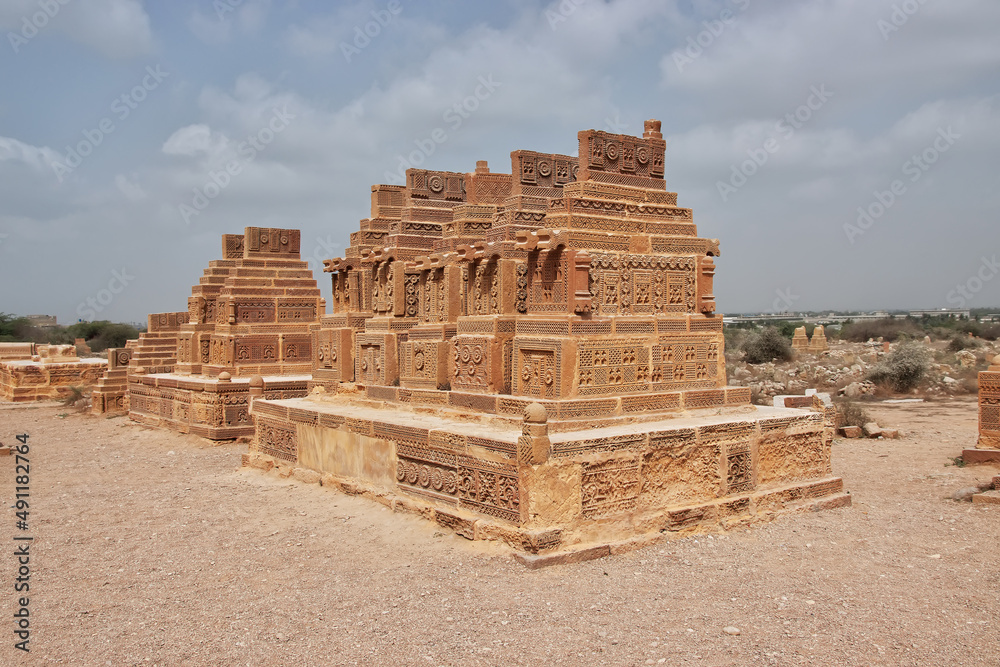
(25, 380)
(206, 406)
(605, 483)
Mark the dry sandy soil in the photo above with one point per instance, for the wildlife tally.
(155, 548)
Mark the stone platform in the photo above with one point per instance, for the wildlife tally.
(212, 407)
(25, 380)
(625, 481)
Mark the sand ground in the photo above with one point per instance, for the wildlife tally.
(153, 548)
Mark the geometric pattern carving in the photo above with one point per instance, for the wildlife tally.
(484, 486)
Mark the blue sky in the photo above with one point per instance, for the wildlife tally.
(782, 119)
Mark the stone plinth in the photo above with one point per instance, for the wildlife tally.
(12, 351)
(26, 380)
(541, 490)
(573, 290)
(249, 315)
(212, 407)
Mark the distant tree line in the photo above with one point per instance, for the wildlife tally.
(99, 335)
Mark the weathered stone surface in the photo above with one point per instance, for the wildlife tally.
(851, 431)
(987, 498)
(872, 430)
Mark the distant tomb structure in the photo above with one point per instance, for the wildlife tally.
(248, 316)
(30, 372)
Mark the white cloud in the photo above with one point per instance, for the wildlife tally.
(38, 158)
(194, 140)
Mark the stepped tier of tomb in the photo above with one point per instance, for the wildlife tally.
(249, 315)
(537, 357)
(109, 396)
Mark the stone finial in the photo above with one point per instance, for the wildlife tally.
(533, 445)
(225, 376)
(535, 413)
(651, 129)
(995, 365)
(256, 386)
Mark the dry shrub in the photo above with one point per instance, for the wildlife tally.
(853, 414)
(888, 329)
(903, 369)
(760, 347)
(959, 343)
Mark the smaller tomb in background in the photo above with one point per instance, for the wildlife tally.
(30, 372)
(248, 315)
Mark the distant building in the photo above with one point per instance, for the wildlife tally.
(43, 320)
(943, 312)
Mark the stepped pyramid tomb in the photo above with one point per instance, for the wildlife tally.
(534, 357)
(249, 316)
